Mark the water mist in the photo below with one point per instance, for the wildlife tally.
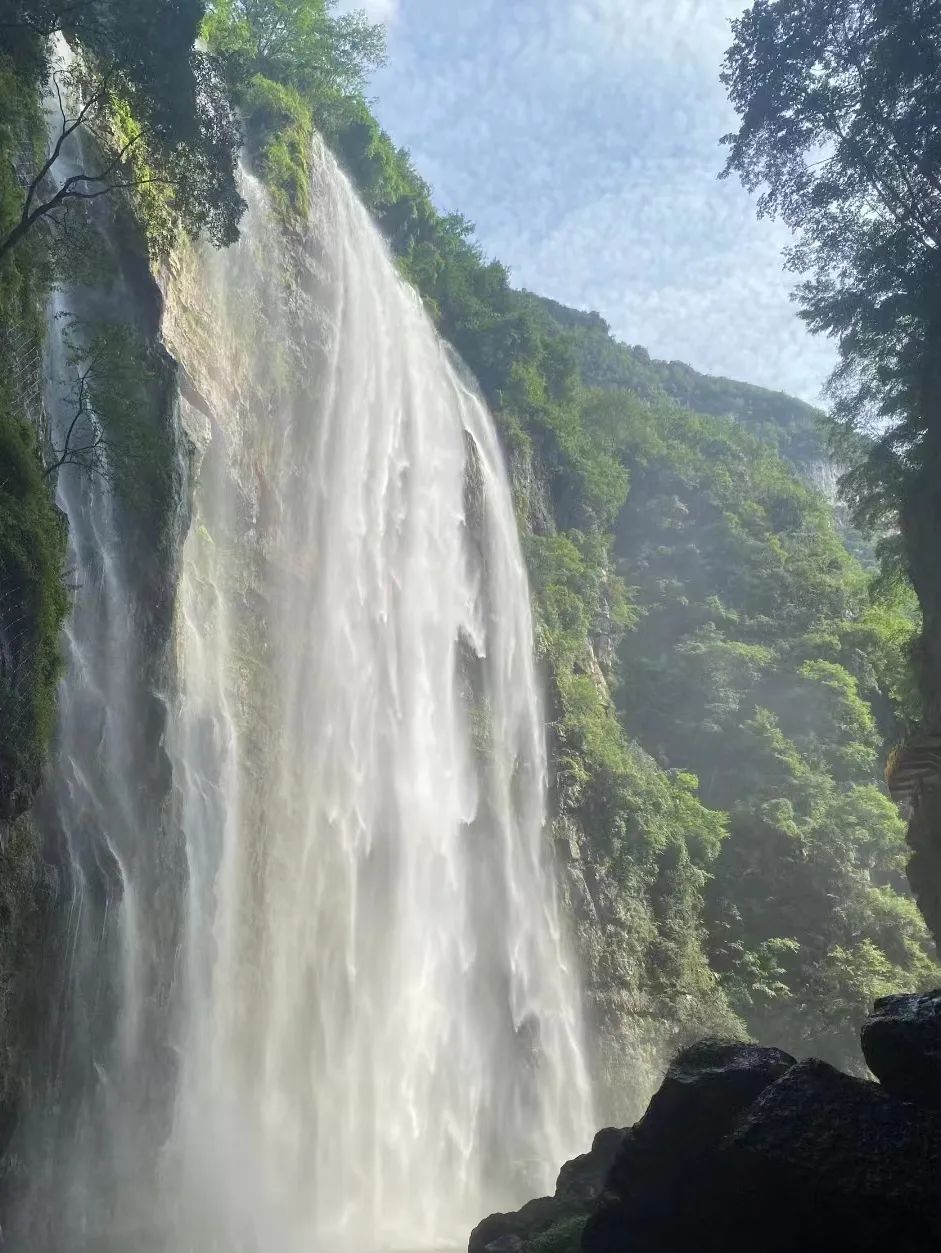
(333, 996)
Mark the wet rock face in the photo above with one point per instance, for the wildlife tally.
(582, 1179)
(506, 1233)
(901, 1042)
(705, 1087)
(579, 1185)
(662, 1173)
(842, 1154)
(924, 867)
(823, 1160)
(743, 1150)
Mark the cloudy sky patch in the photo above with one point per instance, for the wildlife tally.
(581, 136)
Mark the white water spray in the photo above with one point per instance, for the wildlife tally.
(382, 1017)
(350, 1019)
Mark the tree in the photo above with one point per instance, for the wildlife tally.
(839, 103)
(156, 109)
(84, 442)
(299, 43)
(112, 174)
(114, 397)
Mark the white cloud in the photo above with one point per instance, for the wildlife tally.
(385, 11)
(581, 137)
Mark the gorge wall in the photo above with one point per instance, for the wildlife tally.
(721, 687)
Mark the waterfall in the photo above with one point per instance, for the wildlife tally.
(329, 1001)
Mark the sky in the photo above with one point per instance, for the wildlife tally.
(581, 137)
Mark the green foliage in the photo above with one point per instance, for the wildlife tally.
(25, 899)
(138, 62)
(291, 64)
(280, 128)
(762, 662)
(123, 406)
(795, 429)
(32, 536)
(838, 103)
(32, 558)
(563, 1237)
(298, 43)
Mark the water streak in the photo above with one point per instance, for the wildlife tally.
(382, 1008)
(339, 1007)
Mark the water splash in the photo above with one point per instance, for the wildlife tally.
(380, 997)
(350, 1018)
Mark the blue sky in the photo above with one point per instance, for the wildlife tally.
(581, 138)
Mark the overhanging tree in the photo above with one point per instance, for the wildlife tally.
(139, 62)
(840, 133)
(301, 43)
(840, 107)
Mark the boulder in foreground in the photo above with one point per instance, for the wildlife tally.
(901, 1041)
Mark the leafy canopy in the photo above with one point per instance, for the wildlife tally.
(299, 43)
(141, 56)
(839, 101)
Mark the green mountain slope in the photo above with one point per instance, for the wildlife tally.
(791, 426)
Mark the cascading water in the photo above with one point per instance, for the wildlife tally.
(381, 1023)
(338, 1006)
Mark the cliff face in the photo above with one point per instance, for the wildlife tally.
(921, 526)
(640, 809)
(47, 896)
(631, 887)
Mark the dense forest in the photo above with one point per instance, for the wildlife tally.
(727, 668)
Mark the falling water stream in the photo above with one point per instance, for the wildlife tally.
(329, 1001)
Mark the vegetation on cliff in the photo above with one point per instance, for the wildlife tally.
(838, 135)
(724, 679)
(32, 536)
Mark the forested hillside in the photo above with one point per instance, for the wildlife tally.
(797, 430)
(724, 679)
(726, 684)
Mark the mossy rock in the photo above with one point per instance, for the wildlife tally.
(563, 1237)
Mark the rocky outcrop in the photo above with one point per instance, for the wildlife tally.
(579, 1185)
(745, 1150)
(581, 1180)
(924, 867)
(901, 1041)
(823, 1160)
(663, 1171)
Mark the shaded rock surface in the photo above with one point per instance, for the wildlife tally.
(745, 1150)
(664, 1161)
(901, 1042)
(813, 1159)
(579, 1185)
(582, 1179)
(829, 1161)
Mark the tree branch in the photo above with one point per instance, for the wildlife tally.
(53, 23)
(71, 455)
(890, 137)
(70, 190)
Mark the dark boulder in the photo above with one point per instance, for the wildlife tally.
(579, 1184)
(582, 1179)
(707, 1085)
(812, 1160)
(664, 1162)
(825, 1161)
(901, 1041)
(505, 1244)
(498, 1233)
